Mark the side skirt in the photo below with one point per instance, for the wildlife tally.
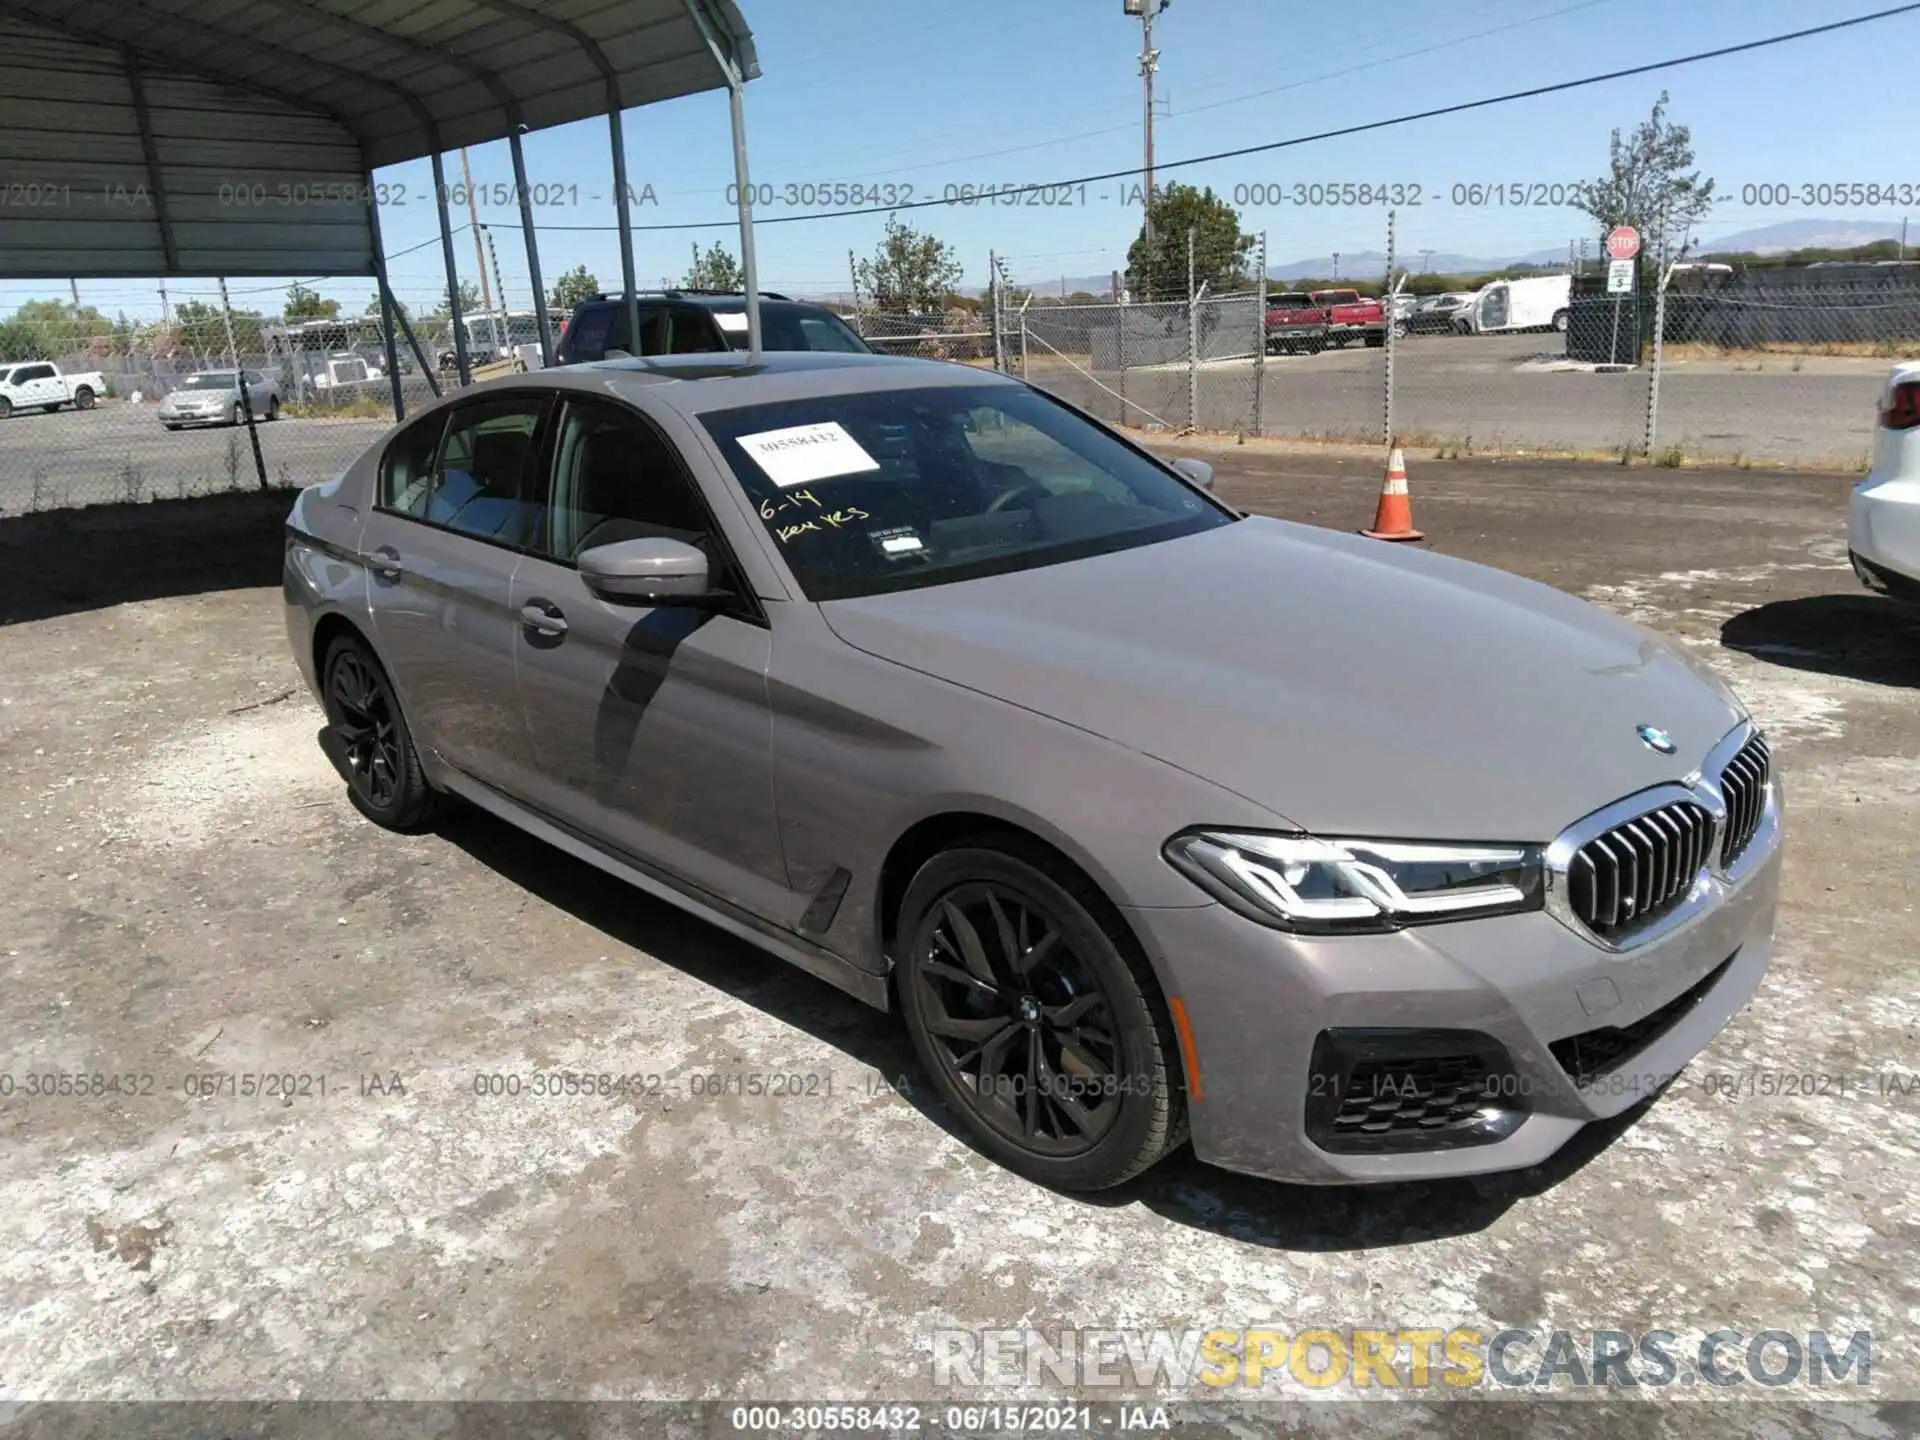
(814, 959)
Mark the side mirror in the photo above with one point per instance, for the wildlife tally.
(1198, 471)
(648, 571)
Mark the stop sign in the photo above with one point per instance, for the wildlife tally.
(1623, 242)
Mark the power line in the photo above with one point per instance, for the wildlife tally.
(1366, 127)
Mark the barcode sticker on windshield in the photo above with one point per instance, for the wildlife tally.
(801, 453)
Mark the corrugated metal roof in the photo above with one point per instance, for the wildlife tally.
(232, 137)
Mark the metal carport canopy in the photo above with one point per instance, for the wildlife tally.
(235, 137)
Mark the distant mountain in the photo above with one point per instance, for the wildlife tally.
(1804, 235)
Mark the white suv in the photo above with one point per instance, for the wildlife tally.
(1883, 523)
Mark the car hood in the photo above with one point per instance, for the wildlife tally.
(1348, 686)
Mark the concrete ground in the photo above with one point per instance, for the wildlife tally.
(190, 898)
(118, 451)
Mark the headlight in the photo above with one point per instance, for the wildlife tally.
(1299, 882)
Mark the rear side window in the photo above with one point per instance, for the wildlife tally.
(406, 474)
(1289, 302)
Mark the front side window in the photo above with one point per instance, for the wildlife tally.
(614, 479)
(893, 490)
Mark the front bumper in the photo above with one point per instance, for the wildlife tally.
(1883, 534)
(196, 417)
(1273, 1015)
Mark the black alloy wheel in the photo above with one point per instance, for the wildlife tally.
(1051, 1044)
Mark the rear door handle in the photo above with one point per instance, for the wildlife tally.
(543, 618)
(385, 562)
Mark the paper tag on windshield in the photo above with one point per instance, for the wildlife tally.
(731, 320)
(801, 453)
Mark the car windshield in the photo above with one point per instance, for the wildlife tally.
(892, 490)
(212, 380)
(791, 330)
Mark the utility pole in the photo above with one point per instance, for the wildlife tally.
(1336, 264)
(76, 293)
(1903, 237)
(226, 311)
(1149, 62)
(499, 289)
(1426, 259)
(166, 310)
(479, 260)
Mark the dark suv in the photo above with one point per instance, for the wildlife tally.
(679, 322)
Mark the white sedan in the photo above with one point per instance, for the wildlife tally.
(1883, 523)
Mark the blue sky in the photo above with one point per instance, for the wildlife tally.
(910, 94)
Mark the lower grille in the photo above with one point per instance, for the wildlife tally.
(1744, 784)
(1387, 1090)
(1593, 1053)
(1639, 870)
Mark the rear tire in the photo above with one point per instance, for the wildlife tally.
(273, 408)
(83, 398)
(1560, 322)
(385, 781)
(1062, 1066)
(6, 407)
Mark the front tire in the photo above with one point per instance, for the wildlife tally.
(376, 753)
(1037, 1017)
(6, 407)
(239, 415)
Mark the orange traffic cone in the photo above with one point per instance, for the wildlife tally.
(1394, 518)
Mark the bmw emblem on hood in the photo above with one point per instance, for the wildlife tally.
(1655, 738)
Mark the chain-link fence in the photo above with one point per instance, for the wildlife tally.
(220, 402)
(1767, 366)
(1692, 363)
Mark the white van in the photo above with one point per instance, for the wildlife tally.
(1537, 303)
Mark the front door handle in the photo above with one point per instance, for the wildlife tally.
(385, 562)
(543, 618)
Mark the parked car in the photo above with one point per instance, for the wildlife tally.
(1535, 303)
(677, 322)
(213, 397)
(39, 385)
(1448, 314)
(1294, 324)
(891, 668)
(1351, 315)
(1883, 518)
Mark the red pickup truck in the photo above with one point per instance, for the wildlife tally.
(1294, 323)
(1349, 313)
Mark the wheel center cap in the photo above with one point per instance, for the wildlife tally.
(1029, 1008)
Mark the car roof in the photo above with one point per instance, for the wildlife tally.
(707, 300)
(698, 383)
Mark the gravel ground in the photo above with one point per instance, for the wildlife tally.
(190, 896)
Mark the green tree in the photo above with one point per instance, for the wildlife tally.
(1651, 183)
(54, 328)
(715, 270)
(909, 270)
(469, 301)
(373, 306)
(21, 341)
(203, 330)
(305, 304)
(571, 288)
(1222, 256)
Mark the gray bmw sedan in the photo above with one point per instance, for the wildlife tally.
(1151, 819)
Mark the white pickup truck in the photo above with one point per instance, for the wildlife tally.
(38, 385)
